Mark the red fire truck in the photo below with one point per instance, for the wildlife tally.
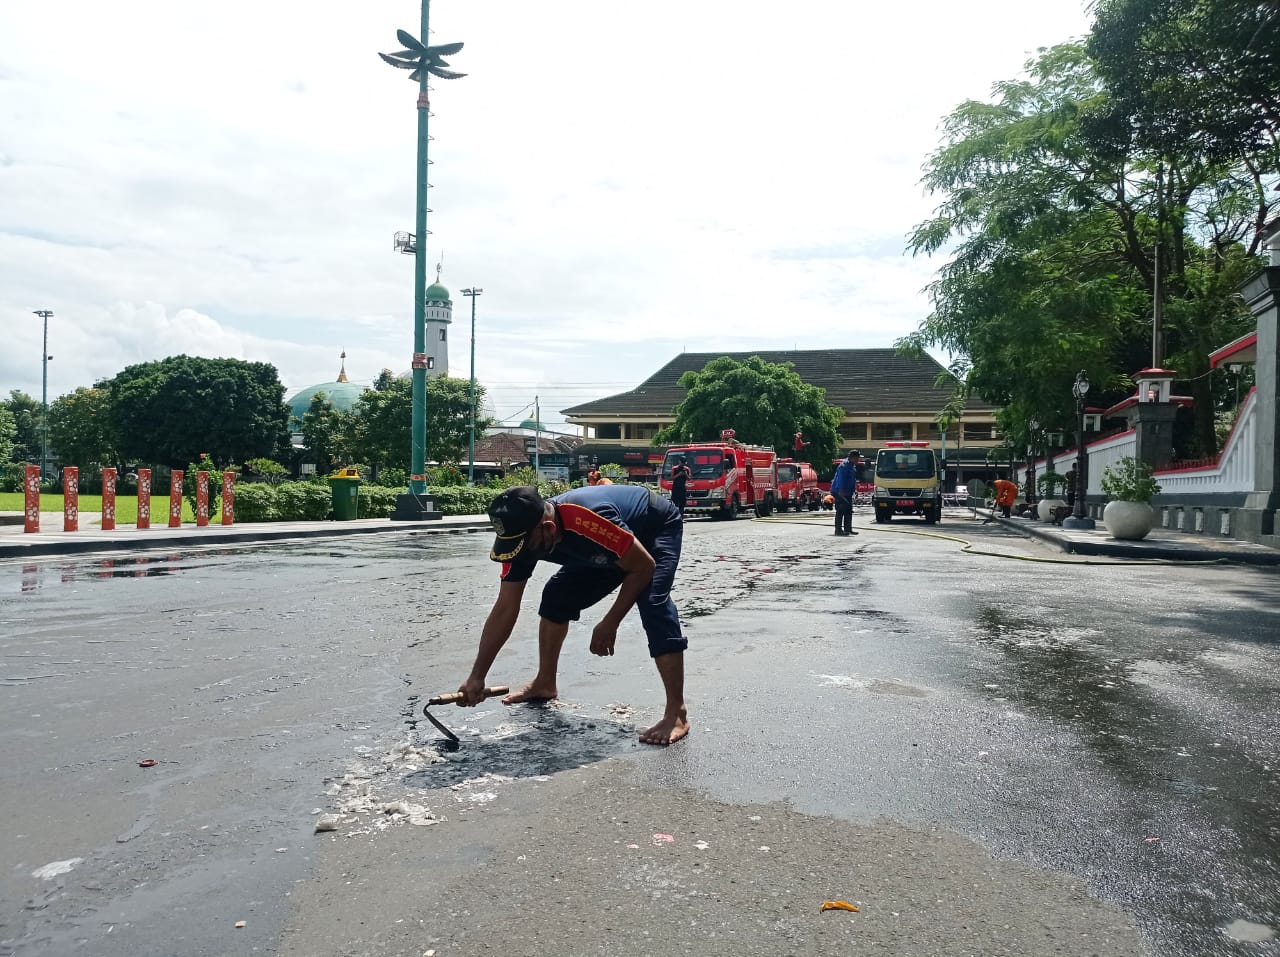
(727, 477)
(797, 486)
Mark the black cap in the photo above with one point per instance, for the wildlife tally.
(514, 513)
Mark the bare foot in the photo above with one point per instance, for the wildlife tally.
(669, 730)
(532, 692)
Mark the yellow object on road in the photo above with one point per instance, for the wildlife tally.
(839, 905)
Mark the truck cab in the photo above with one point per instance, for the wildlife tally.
(797, 486)
(907, 482)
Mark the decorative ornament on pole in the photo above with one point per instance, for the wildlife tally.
(422, 59)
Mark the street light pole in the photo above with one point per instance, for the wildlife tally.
(1033, 425)
(44, 314)
(1080, 389)
(425, 62)
(471, 450)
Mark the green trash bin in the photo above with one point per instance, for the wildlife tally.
(345, 485)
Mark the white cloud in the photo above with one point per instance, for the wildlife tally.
(623, 181)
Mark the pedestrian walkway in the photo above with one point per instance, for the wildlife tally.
(52, 540)
(1160, 544)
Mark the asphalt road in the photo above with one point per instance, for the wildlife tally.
(992, 750)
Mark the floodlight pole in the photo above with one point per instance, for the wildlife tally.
(44, 314)
(418, 442)
(471, 449)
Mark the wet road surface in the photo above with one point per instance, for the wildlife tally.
(1113, 722)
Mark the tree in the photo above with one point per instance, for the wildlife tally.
(1061, 237)
(8, 429)
(271, 471)
(765, 403)
(382, 424)
(80, 429)
(171, 411)
(325, 432)
(26, 420)
(449, 418)
(1191, 76)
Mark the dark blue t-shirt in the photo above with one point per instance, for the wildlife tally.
(598, 523)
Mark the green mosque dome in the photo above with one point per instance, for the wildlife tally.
(436, 292)
(530, 424)
(340, 393)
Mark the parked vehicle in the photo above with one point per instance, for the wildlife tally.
(797, 486)
(907, 482)
(727, 477)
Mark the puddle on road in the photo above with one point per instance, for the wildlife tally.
(420, 781)
(539, 741)
(1248, 932)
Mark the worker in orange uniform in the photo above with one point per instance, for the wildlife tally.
(1006, 495)
(595, 478)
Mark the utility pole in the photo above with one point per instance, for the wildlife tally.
(473, 292)
(44, 314)
(537, 437)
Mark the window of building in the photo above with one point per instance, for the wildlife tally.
(611, 431)
(929, 431)
(443, 333)
(888, 431)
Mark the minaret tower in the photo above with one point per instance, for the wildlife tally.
(438, 314)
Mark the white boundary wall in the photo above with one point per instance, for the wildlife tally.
(1233, 471)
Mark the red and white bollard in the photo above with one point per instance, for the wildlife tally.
(31, 509)
(108, 500)
(202, 499)
(71, 499)
(175, 498)
(228, 498)
(144, 498)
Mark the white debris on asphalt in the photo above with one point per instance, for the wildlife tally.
(55, 869)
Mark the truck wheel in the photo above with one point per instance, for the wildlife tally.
(883, 515)
(931, 518)
(731, 508)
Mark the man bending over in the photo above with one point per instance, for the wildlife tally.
(607, 538)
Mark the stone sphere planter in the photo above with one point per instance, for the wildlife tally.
(1129, 520)
(1045, 507)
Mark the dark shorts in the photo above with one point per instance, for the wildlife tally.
(572, 589)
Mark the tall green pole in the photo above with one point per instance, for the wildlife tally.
(418, 453)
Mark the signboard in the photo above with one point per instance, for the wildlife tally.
(553, 473)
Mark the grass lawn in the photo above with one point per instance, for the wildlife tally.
(126, 507)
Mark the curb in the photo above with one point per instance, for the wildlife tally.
(1171, 553)
(196, 539)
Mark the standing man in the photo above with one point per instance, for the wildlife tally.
(615, 538)
(843, 485)
(799, 445)
(680, 475)
(1071, 486)
(595, 478)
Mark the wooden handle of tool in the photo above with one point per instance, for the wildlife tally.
(457, 695)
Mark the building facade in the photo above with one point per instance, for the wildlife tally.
(885, 397)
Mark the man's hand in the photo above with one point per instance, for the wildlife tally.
(472, 691)
(603, 637)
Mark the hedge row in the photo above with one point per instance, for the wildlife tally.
(311, 501)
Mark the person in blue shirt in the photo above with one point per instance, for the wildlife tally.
(606, 538)
(843, 486)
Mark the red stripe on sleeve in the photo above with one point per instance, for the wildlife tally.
(584, 522)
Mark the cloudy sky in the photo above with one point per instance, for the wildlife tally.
(624, 180)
